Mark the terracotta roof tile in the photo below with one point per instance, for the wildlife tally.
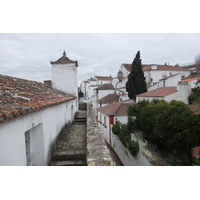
(110, 98)
(164, 67)
(106, 86)
(159, 67)
(19, 97)
(104, 78)
(190, 79)
(159, 92)
(116, 108)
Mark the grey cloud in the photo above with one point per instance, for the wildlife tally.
(28, 55)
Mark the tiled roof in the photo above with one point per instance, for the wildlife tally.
(104, 78)
(128, 67)
(110, 98)
(19, 97)
(106, 86)
(159, 92)
(190, 79)
(64, 60)
(116, 108)
(159, 67)
(164, 67)
(91, 79)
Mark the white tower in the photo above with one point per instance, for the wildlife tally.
(64, 75)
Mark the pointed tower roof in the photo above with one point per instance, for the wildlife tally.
(64, 60)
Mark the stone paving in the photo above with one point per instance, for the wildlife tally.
(81, 145)
(70, 148)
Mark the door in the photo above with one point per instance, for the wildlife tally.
(28, 148)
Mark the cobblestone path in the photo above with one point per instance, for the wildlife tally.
(70, 148)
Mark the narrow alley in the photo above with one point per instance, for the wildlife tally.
(70, 148)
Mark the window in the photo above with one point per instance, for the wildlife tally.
(163, 83)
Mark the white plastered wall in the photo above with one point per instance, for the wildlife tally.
(50, 121)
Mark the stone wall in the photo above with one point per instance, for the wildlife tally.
(98, 153)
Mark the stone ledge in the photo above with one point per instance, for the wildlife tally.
(98, 153)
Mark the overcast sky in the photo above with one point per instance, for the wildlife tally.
(100, 35)
(29, 55)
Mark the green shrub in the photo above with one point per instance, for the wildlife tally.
(116, 128)
(194, 95)
(124, 136)
(133, 147)
(196, 162)
(174, 160)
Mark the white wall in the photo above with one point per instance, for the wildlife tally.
(124, 71)
(171, 81)
(156, 75)
(104, 125)
(64, 78)
(103, 93)
(121, 119)
(126, 157)
(122, 152)
(43, 125)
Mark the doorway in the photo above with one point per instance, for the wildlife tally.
(34, 144)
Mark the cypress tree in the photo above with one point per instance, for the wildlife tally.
(136, 83)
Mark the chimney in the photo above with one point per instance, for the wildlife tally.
(184, 90)
(154, 67)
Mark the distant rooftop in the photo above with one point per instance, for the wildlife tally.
(159, 92)
(105, 86)
(104, 78)
(159, 67)
(190, 79)
(116, 108)
(110, 98)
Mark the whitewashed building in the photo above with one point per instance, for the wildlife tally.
(179, 93)
(32, 114)
(102, 91)
(108, 115)
(192, 81)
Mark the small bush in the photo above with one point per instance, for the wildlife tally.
(124, 136)
(133, 147)
(116, 128)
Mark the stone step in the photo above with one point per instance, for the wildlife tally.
(80, 123)
(71, 154)
(69, 163)
(80, 119)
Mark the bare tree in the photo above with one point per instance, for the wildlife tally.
(197, 62)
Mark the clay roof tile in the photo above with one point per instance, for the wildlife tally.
(20, 97)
